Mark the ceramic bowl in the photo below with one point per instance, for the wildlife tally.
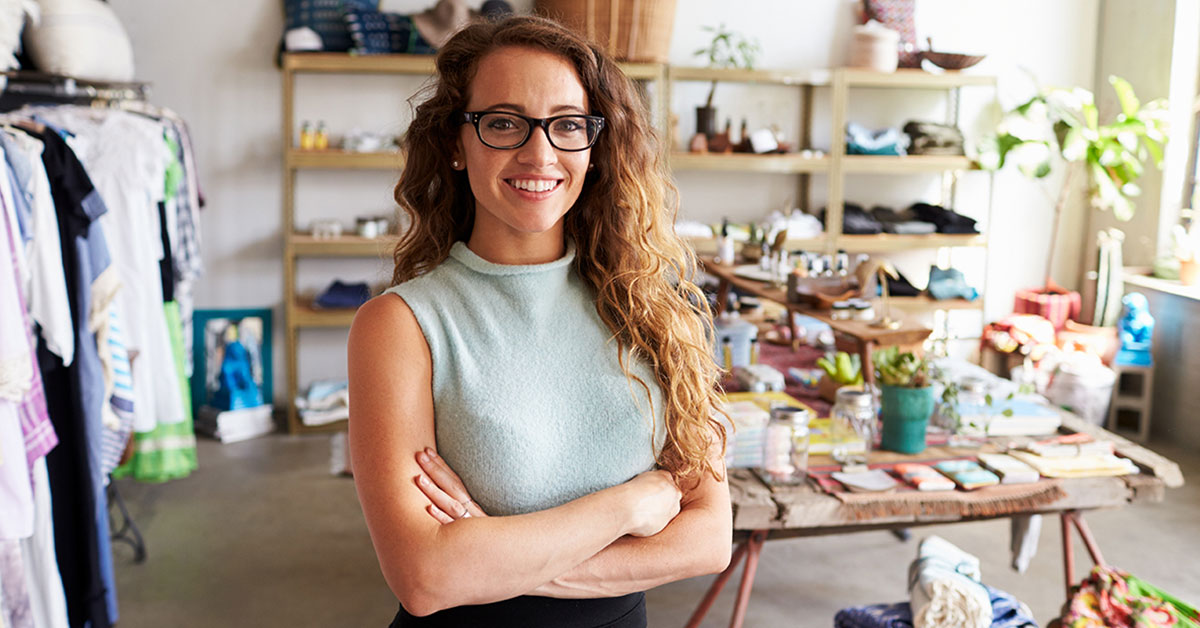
(950, 60)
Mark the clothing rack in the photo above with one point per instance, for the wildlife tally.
(27, 87)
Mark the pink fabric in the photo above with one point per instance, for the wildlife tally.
(898, 16)
(1057, 308)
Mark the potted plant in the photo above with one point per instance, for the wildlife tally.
(1061, 125)
(727, 49)
(841, 369)
(907, 399)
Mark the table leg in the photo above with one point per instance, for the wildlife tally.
(1068, 551)
(868, 369)
(717, 585)
(743, 598)
(1088, 540)
(722, 296)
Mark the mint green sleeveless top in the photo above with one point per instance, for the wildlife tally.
(531, 406)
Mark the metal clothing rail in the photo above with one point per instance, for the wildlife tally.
(24, 87)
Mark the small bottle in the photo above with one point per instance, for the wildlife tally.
(321, 137)
(307, 139)
(785, 446)
(754, 350)
(843, 263)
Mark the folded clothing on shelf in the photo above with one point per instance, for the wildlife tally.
(856, 221)
(949, 283)
(862, 141)
(340, 294)
(931, 138)
(945, 220)
(901, 222)
(325, 401)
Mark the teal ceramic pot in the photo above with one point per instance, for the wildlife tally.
(905, 413)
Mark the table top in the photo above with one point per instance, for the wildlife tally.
(907, 333)
(807, 511)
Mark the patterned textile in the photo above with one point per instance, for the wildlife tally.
(1007, 612)
(1111, 598)
(898, 16)
(15, 611)
(375, 33)
(118, 414)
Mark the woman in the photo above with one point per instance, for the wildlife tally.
(542, 335)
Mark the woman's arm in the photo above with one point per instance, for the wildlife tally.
(430, 566)
(696, 542)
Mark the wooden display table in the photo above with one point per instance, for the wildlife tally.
(849, 335)
(762, 513)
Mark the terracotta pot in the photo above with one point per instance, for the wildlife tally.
(1189, 272)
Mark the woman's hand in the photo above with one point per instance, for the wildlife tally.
(654, 502)
(449, 498)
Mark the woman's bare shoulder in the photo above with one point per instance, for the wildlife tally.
(385, 325)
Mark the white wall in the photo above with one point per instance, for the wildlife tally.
(212, 61)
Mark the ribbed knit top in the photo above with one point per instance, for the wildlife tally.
(531, 406)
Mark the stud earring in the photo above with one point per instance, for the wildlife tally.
(454, 164)
(591, 166)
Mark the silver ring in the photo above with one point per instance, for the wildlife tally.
(466, 509)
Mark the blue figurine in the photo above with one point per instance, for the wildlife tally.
(1135, 328)
(236, 387)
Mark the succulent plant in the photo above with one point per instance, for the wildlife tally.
(906, 369)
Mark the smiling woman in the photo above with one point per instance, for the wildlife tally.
(532, 424)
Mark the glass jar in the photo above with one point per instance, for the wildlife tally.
(785, 446)
(853, 426)
(841, 311)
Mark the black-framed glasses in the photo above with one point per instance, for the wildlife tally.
(505, 130)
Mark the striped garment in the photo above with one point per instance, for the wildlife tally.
(32, 414)
(118, 412)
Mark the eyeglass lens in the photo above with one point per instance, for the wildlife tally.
(501, 130)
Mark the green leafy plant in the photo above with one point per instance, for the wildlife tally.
(948, 409)
(842, 368)
(1064, 124)
(728, 49)
(906, 370)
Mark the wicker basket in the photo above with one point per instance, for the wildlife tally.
(630, 30)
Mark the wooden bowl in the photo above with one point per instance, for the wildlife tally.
(950, 60)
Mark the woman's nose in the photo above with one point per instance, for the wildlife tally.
(538, 151)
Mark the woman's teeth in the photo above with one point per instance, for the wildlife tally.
(533, 185)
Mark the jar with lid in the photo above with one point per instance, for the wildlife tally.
(853, 426)
(785, 447)
(841, 311)
(862, 310)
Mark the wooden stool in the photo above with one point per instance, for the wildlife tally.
(1133, 391)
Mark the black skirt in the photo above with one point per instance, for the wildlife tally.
(530, 611)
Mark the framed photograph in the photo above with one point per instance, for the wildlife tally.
(213, 332)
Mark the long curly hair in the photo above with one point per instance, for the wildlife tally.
(627, 251)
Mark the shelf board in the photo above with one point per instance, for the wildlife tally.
(342, 62)
(925, 303)
(343, 160)
(642, 71)
(887, 164)
(775, 77)
(343, 246)
(708, 246)
(913, 78)
(742, 162)
(305, 315)
(886, 242)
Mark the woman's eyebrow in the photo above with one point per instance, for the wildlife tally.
(520, 109)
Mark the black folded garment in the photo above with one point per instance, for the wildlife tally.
(856, 221)
(900, 287)
(931, 138)
(901, 222)
(945, 220)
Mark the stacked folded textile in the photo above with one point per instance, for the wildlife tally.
(325, 402)
(1073, 456)
(1009, 417)
(945, 589)
(1007, 612)
(231, 426)
(745, 445)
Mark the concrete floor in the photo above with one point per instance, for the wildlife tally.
(262, 535)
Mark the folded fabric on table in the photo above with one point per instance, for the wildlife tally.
(945, 589)
(1007, 612)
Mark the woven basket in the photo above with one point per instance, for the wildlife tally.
(630, 30)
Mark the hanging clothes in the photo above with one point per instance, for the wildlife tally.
(75, 395)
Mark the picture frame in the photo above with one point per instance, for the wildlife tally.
(209, 330)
